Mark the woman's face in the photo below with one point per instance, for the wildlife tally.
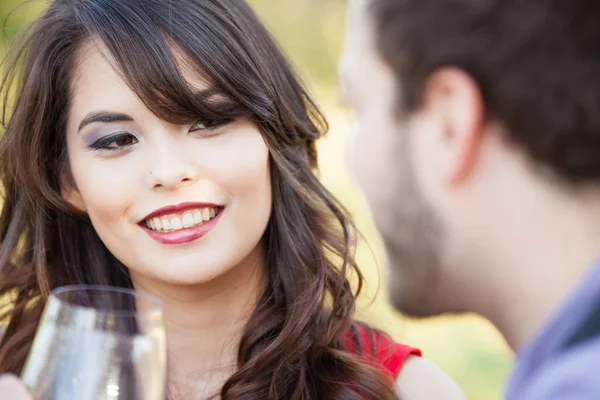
(174, 203)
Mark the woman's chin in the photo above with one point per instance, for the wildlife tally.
(180, 275)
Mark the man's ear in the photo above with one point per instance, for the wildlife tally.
(459, 103)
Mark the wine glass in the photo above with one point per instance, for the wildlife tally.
(98, 343)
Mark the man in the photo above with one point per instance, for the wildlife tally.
(478, 148)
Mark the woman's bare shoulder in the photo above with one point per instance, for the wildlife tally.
(421, 379)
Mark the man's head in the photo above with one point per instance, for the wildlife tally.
(468, 113)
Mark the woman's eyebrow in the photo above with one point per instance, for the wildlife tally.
(103, 116)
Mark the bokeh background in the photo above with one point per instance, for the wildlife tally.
(311, 32)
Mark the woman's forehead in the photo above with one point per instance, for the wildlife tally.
(93, 52)
(98, 84)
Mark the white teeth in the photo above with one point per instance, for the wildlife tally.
(187, 220)
(197, 217)
(176, 223)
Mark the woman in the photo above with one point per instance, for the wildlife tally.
(167, 146)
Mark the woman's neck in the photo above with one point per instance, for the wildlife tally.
(205, 324)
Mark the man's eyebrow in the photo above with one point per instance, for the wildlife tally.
(344, 86)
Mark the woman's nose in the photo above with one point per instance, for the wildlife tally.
(171, 166)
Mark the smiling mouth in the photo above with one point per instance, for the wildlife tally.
(179, 221)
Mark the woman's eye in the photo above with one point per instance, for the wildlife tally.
(209, 124)
(123, 141)
(115, 142)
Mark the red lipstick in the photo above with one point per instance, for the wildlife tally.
(185, 235)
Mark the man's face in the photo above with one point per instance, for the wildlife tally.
(386, 149)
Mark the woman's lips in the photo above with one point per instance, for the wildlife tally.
(183, 227)
(179, 208)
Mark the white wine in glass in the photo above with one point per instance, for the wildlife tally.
(98, 343)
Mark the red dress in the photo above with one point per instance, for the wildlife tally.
(379, 349)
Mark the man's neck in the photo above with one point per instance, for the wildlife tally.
(537, 263)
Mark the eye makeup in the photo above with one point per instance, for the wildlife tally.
(101, 137)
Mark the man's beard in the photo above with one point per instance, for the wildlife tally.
(413, 236)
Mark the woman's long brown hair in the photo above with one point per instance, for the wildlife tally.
(293, 345)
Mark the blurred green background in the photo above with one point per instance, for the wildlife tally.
(311, 32)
